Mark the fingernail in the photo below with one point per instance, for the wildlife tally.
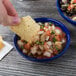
(16, 20)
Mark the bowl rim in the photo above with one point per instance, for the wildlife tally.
(62, 14)
(47, 59)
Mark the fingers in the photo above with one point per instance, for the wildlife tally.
(9, 15)
(11, 21)
(9, 7)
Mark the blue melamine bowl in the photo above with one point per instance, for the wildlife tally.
(59, 24)
(63, 15)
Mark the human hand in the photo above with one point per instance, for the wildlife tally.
(8, 15)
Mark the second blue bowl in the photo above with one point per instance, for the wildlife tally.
(62, 14)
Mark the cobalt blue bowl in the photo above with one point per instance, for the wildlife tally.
(63, 15)
(57, 23)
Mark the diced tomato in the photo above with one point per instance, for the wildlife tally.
(73, 1)
(27, 46)
(45, 43)
(71, 6)
(52, 55)
(51, 38)
(48, 33)
(41, 29)
(58, 37)
(63, 35)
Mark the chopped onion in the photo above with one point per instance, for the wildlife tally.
(39, 52)
(34, 50)
(46, 24)
(63, 41)
(20, 43)
(40, 23)
(41, 47)
(45, 29)
(58, 31)
(74, 18)
(24, 51)
(47, 38)
(40, 32)
(58, 44)
(50, 51)
(72, 1)
(64, 1)
(49, 28)
(43, 36)
(49, 43)
(47, 54)
(53, 27)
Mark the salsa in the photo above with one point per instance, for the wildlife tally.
(49, 42)
(69, 8)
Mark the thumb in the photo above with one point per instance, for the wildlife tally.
(12, 20)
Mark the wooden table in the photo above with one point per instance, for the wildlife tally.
(15, 65)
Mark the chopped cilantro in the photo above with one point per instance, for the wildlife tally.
(22, 47)
(54, 39)
(39, 43)
(57, 48)
(50, 24)
(53, 32)
(41, 27)
(51, 47)
(25, 42)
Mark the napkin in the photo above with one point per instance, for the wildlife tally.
(5, 50)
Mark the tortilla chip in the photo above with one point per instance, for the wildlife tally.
(27, 29)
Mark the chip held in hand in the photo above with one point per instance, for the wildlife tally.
(27, 29)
